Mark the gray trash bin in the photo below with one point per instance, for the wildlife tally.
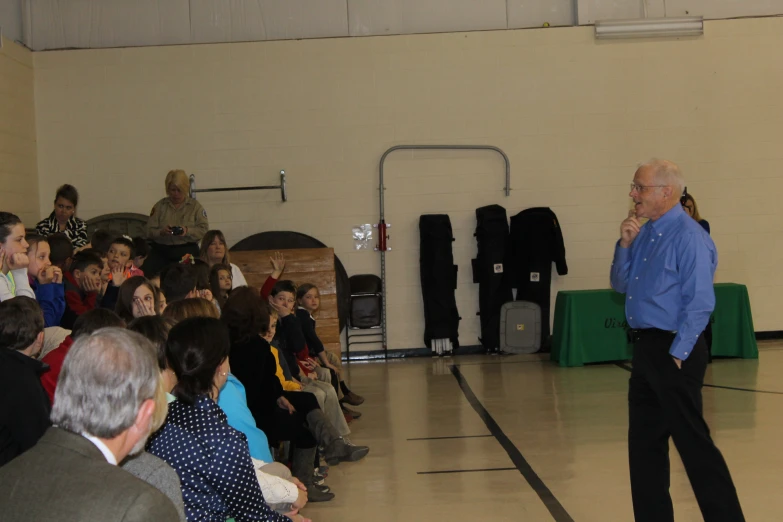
(520, 327)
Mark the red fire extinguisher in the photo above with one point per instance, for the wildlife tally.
(382, 237)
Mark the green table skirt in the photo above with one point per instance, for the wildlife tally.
(590, 326)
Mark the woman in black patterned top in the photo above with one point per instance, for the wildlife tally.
(212, 459)
(63, 218)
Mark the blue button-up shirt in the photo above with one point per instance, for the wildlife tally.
(666, 275)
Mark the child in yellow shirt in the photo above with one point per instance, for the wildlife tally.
(324, 392)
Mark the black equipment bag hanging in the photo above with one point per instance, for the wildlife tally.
(536, 241)
(489, 271)
(438, 279)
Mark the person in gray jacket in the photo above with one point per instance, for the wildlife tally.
(102, 412)
(157, 473)
(151, 469)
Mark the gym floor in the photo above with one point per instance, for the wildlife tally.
(519, 438)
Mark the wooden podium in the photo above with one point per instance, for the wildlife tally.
(304, 265)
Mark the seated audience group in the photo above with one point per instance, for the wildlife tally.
(142, 379)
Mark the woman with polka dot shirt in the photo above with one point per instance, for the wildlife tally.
(211, 458)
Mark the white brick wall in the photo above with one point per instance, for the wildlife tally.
(573, 114)
(18, 169)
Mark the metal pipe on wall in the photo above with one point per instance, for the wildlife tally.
(382, 222)
(281, 187)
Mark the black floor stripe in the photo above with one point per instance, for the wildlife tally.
(742, 389)
(463, 471)
(734, 388)
(454, 437)
(504, 362)
(556, 509)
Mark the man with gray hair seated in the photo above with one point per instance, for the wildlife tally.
(102, 412)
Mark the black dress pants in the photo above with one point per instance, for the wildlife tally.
(665, 401)
(279, 425)
(708, 340)
(303, 402)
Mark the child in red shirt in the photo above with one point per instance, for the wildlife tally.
(82, 283)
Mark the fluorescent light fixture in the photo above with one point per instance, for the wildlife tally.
(650, 27)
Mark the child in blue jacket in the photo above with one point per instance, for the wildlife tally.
(46, 280)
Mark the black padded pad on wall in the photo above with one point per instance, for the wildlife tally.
(438, 279)
(488, 271)
(278, 240)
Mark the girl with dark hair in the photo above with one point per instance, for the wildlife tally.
(13, 258)
(136, 299)
(63, 217)
(211, 458)
(220, 281)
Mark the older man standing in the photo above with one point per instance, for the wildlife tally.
(102, 412)
(666, 267)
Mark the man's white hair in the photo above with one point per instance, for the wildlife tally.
(104, 381)
(666, 173)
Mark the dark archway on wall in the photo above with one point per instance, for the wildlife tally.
(287, 240)
(127, 223)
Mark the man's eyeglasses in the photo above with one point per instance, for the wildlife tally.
(642, 188)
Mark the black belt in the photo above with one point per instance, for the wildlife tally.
(634, 334)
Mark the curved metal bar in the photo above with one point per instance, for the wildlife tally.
(382, 220)
(444, 147)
